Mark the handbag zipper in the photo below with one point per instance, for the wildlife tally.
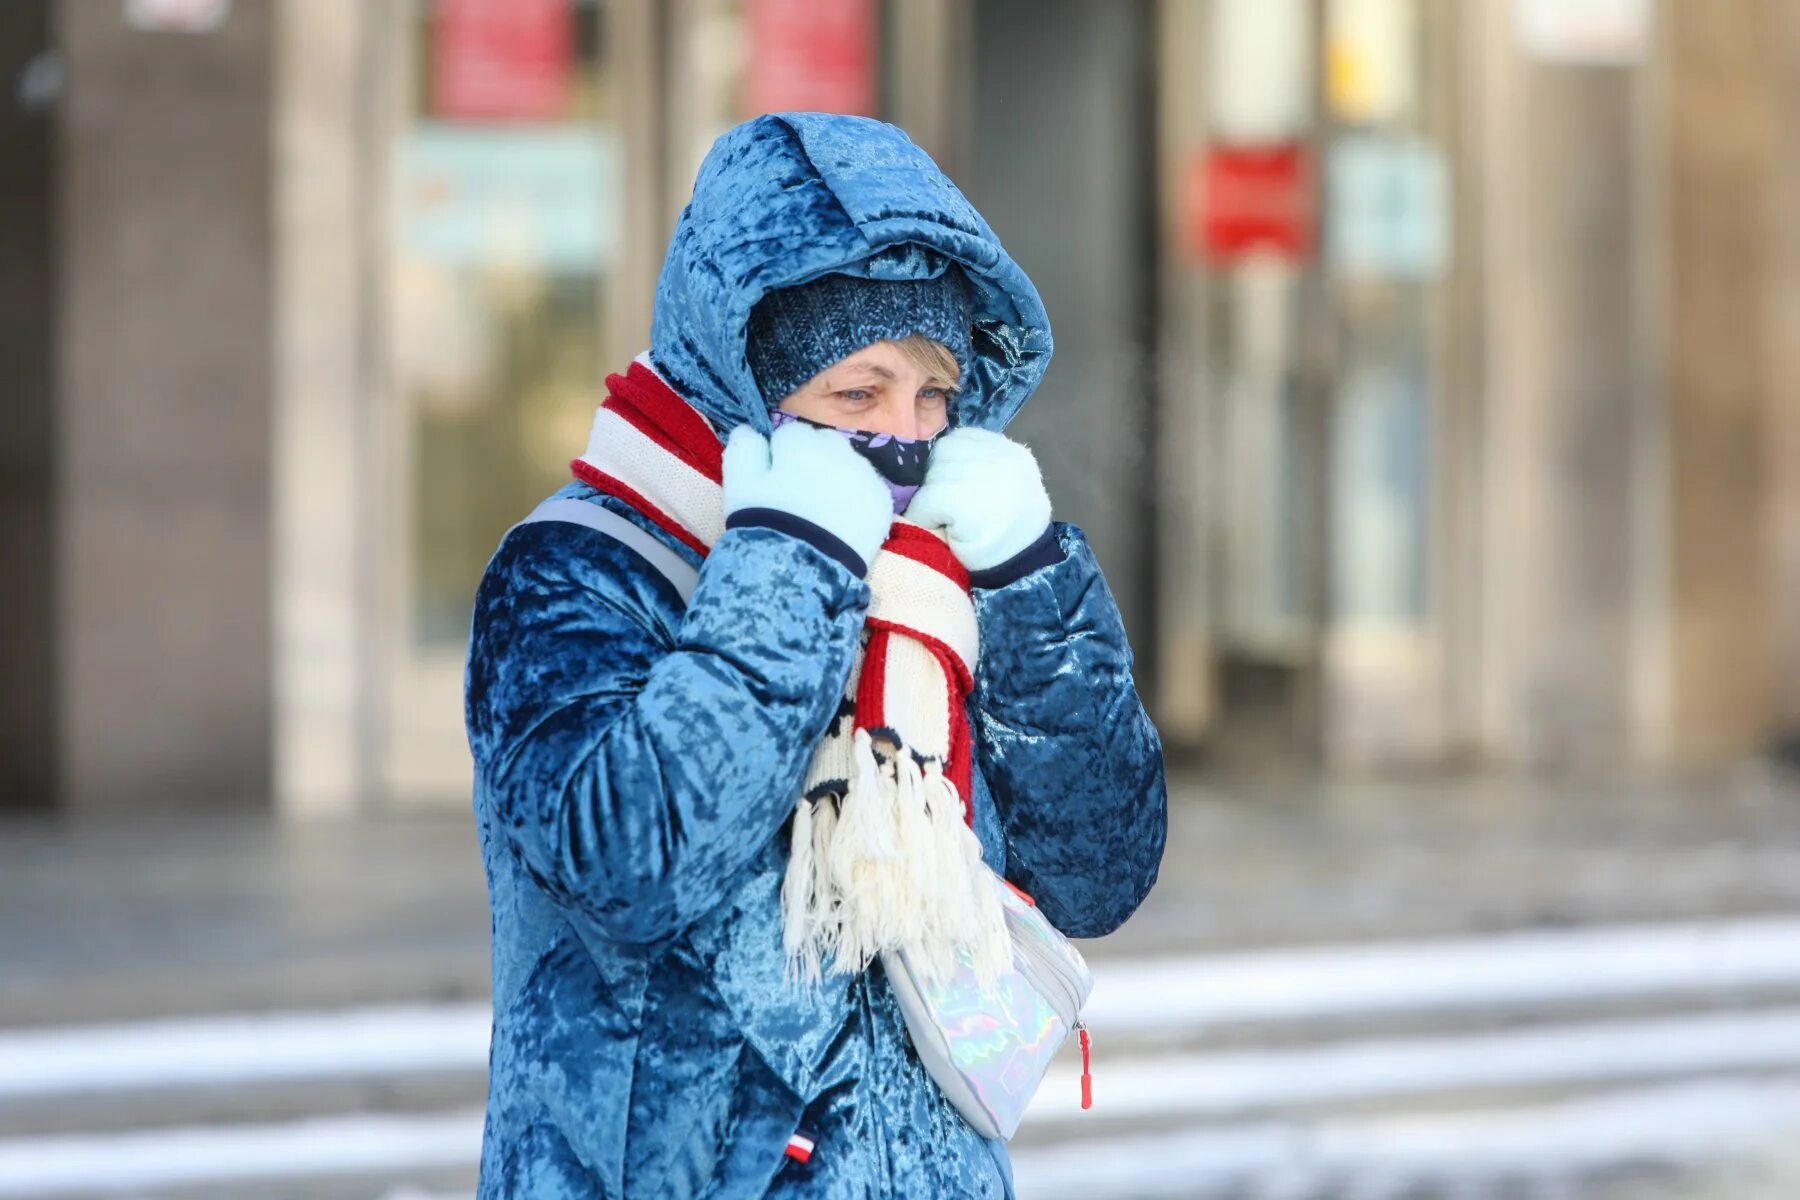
(1048, 967)
(1050, 971)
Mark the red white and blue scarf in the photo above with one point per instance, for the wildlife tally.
(883, 855)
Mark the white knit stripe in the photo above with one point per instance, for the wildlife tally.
(832, 757)
(620, 449)
(907, 592)
(918, 692)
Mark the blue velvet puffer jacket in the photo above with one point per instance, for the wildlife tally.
(637, 762)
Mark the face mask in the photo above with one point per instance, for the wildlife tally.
(900, 461)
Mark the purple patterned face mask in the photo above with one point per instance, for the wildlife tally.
(901, 461)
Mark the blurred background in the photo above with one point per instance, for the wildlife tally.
(1425, 378)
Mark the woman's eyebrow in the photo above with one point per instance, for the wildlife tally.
(882, 372)
(873, 368)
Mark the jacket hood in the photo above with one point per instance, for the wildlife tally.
(786, 197)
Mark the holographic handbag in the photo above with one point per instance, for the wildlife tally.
(988, 1050)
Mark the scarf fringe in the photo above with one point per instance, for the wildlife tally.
(891, 865)
(799, 913)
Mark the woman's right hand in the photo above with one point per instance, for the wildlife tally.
(809, 474)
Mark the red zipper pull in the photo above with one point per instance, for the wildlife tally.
(1087, 1073)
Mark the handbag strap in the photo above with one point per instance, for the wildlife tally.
(682, 575)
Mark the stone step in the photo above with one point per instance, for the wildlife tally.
(1471, 1039)
(1732, 1138)
(1682, 1140)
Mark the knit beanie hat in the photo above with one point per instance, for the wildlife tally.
(794, 333)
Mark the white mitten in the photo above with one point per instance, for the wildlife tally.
(812, 474)
(984, 489)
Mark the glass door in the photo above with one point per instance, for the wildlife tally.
(1306, 199)
(505, 179)
(1387, 238)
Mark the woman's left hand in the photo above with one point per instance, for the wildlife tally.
(986, 492)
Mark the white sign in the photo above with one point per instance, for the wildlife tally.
(177, 16)
(1611, 33)
(1387, 210)
(530, 197)
(1259, 68)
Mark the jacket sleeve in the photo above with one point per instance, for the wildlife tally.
(635, 772)
(1072, 759)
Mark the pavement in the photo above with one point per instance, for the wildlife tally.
(1477, 987)
(104, 919)
(1266, 860)
(188, 913)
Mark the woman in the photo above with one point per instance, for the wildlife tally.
(684, 803)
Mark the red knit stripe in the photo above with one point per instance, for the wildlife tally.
(871, 685)
(909, 541)
(908, 531)
(956, 731)
(958, 763)
(956, 669)
(600, 481)
(642, 398)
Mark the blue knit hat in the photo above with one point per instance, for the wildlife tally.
(794, 333)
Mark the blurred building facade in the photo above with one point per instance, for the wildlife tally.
(1501, 464)
(1423, 371)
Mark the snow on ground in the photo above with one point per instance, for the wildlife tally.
(1356, 1115)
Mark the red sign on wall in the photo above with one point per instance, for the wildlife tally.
(1250, 199)
(501, 60)
(810, 55)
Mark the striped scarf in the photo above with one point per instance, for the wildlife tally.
(883, 855)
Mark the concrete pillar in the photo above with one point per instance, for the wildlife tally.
(29, 622)
(929, 78)
(650, 209)
(328, 144)
(163, 439)
(1062, 169)
(1187, 696)
(1640, 463)
(1730, 390)
(1781, 391)
(1571, 424)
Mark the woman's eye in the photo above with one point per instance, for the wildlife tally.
(855, 394)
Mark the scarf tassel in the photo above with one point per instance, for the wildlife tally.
(800, 898)
(892, 865)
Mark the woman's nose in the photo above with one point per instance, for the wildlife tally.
(902, 420)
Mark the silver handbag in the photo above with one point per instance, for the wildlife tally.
(988, 1050)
